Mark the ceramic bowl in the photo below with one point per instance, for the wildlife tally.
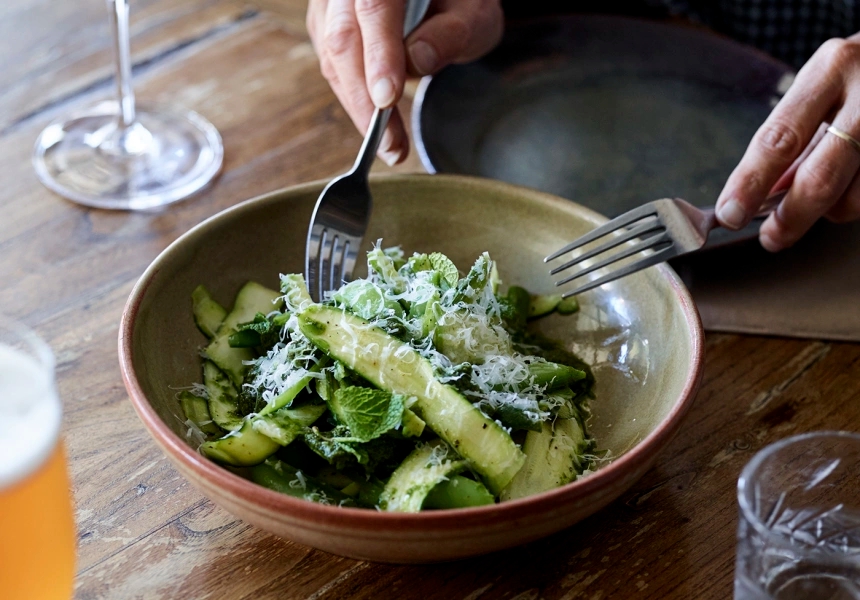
(642, 335)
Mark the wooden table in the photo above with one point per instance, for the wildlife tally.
(144, 532)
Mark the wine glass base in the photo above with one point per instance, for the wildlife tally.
(164, 157)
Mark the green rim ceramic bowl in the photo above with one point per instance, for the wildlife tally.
(642, 334)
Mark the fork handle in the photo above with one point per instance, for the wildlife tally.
(414, 12)
(365, 157)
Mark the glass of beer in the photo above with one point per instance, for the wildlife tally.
(37, 529)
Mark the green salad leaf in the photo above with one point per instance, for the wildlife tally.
(367, 412)
(365, 299)
(445, 267)
(337, 446)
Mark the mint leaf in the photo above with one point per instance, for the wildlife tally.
(340, 449)
(368, 413)
(446, 268)
(336, 447)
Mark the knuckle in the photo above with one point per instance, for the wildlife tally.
(341, 36)
(752, 182)
(459, 29)
(371, 8)
(844, 212)
(780, 140)
(818, 184)
(376, 53)
(491, 18)
(840, 54)
(780, 229)
(328, 71)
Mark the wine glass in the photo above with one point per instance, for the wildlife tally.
(117, 155)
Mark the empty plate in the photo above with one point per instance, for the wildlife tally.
(610, 112)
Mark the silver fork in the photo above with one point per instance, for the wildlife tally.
(342, 212)
(661, 230)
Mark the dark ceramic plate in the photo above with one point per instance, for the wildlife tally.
(609, 112)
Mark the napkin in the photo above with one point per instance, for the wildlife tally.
(811, 290)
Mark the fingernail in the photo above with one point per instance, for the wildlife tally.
(390, 157)
(423, 57)
(732, 214)
(382, 93)
(768, 243)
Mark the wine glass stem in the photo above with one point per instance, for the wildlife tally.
(119, 21)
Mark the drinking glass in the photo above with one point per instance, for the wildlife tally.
(799, 530)
(118, 155)
(37, 529)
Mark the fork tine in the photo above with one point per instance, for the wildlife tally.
(324, 264)
(643, 245)
(350, 255)
(646, 227)
(646, 210)
(336, 262)
(312, 254)
(644, 262)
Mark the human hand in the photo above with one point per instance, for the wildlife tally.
(365, 60)
(792, 149)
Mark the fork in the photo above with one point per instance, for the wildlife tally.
(342, 212)
(662, 230)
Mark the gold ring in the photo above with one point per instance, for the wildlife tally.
(841, 134)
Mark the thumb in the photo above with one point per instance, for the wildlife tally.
(460, 33)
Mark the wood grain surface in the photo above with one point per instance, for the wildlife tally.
(144, 532)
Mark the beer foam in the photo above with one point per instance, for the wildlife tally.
(30, 415)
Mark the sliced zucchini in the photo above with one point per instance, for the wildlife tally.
(253, 298)
(261, 436)
(393, 365)
(567, 306)
(458, 492)
(295, 292)
(554, 457)
(281, 477)
(543, 304)
(286, 397)
(420, 472)
(208, 314)
(287, 424)
(554, 375)
(223, 405)
(515, 307)
(196, 410)
(413, 425)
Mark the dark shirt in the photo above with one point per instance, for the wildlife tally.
(791, 30)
